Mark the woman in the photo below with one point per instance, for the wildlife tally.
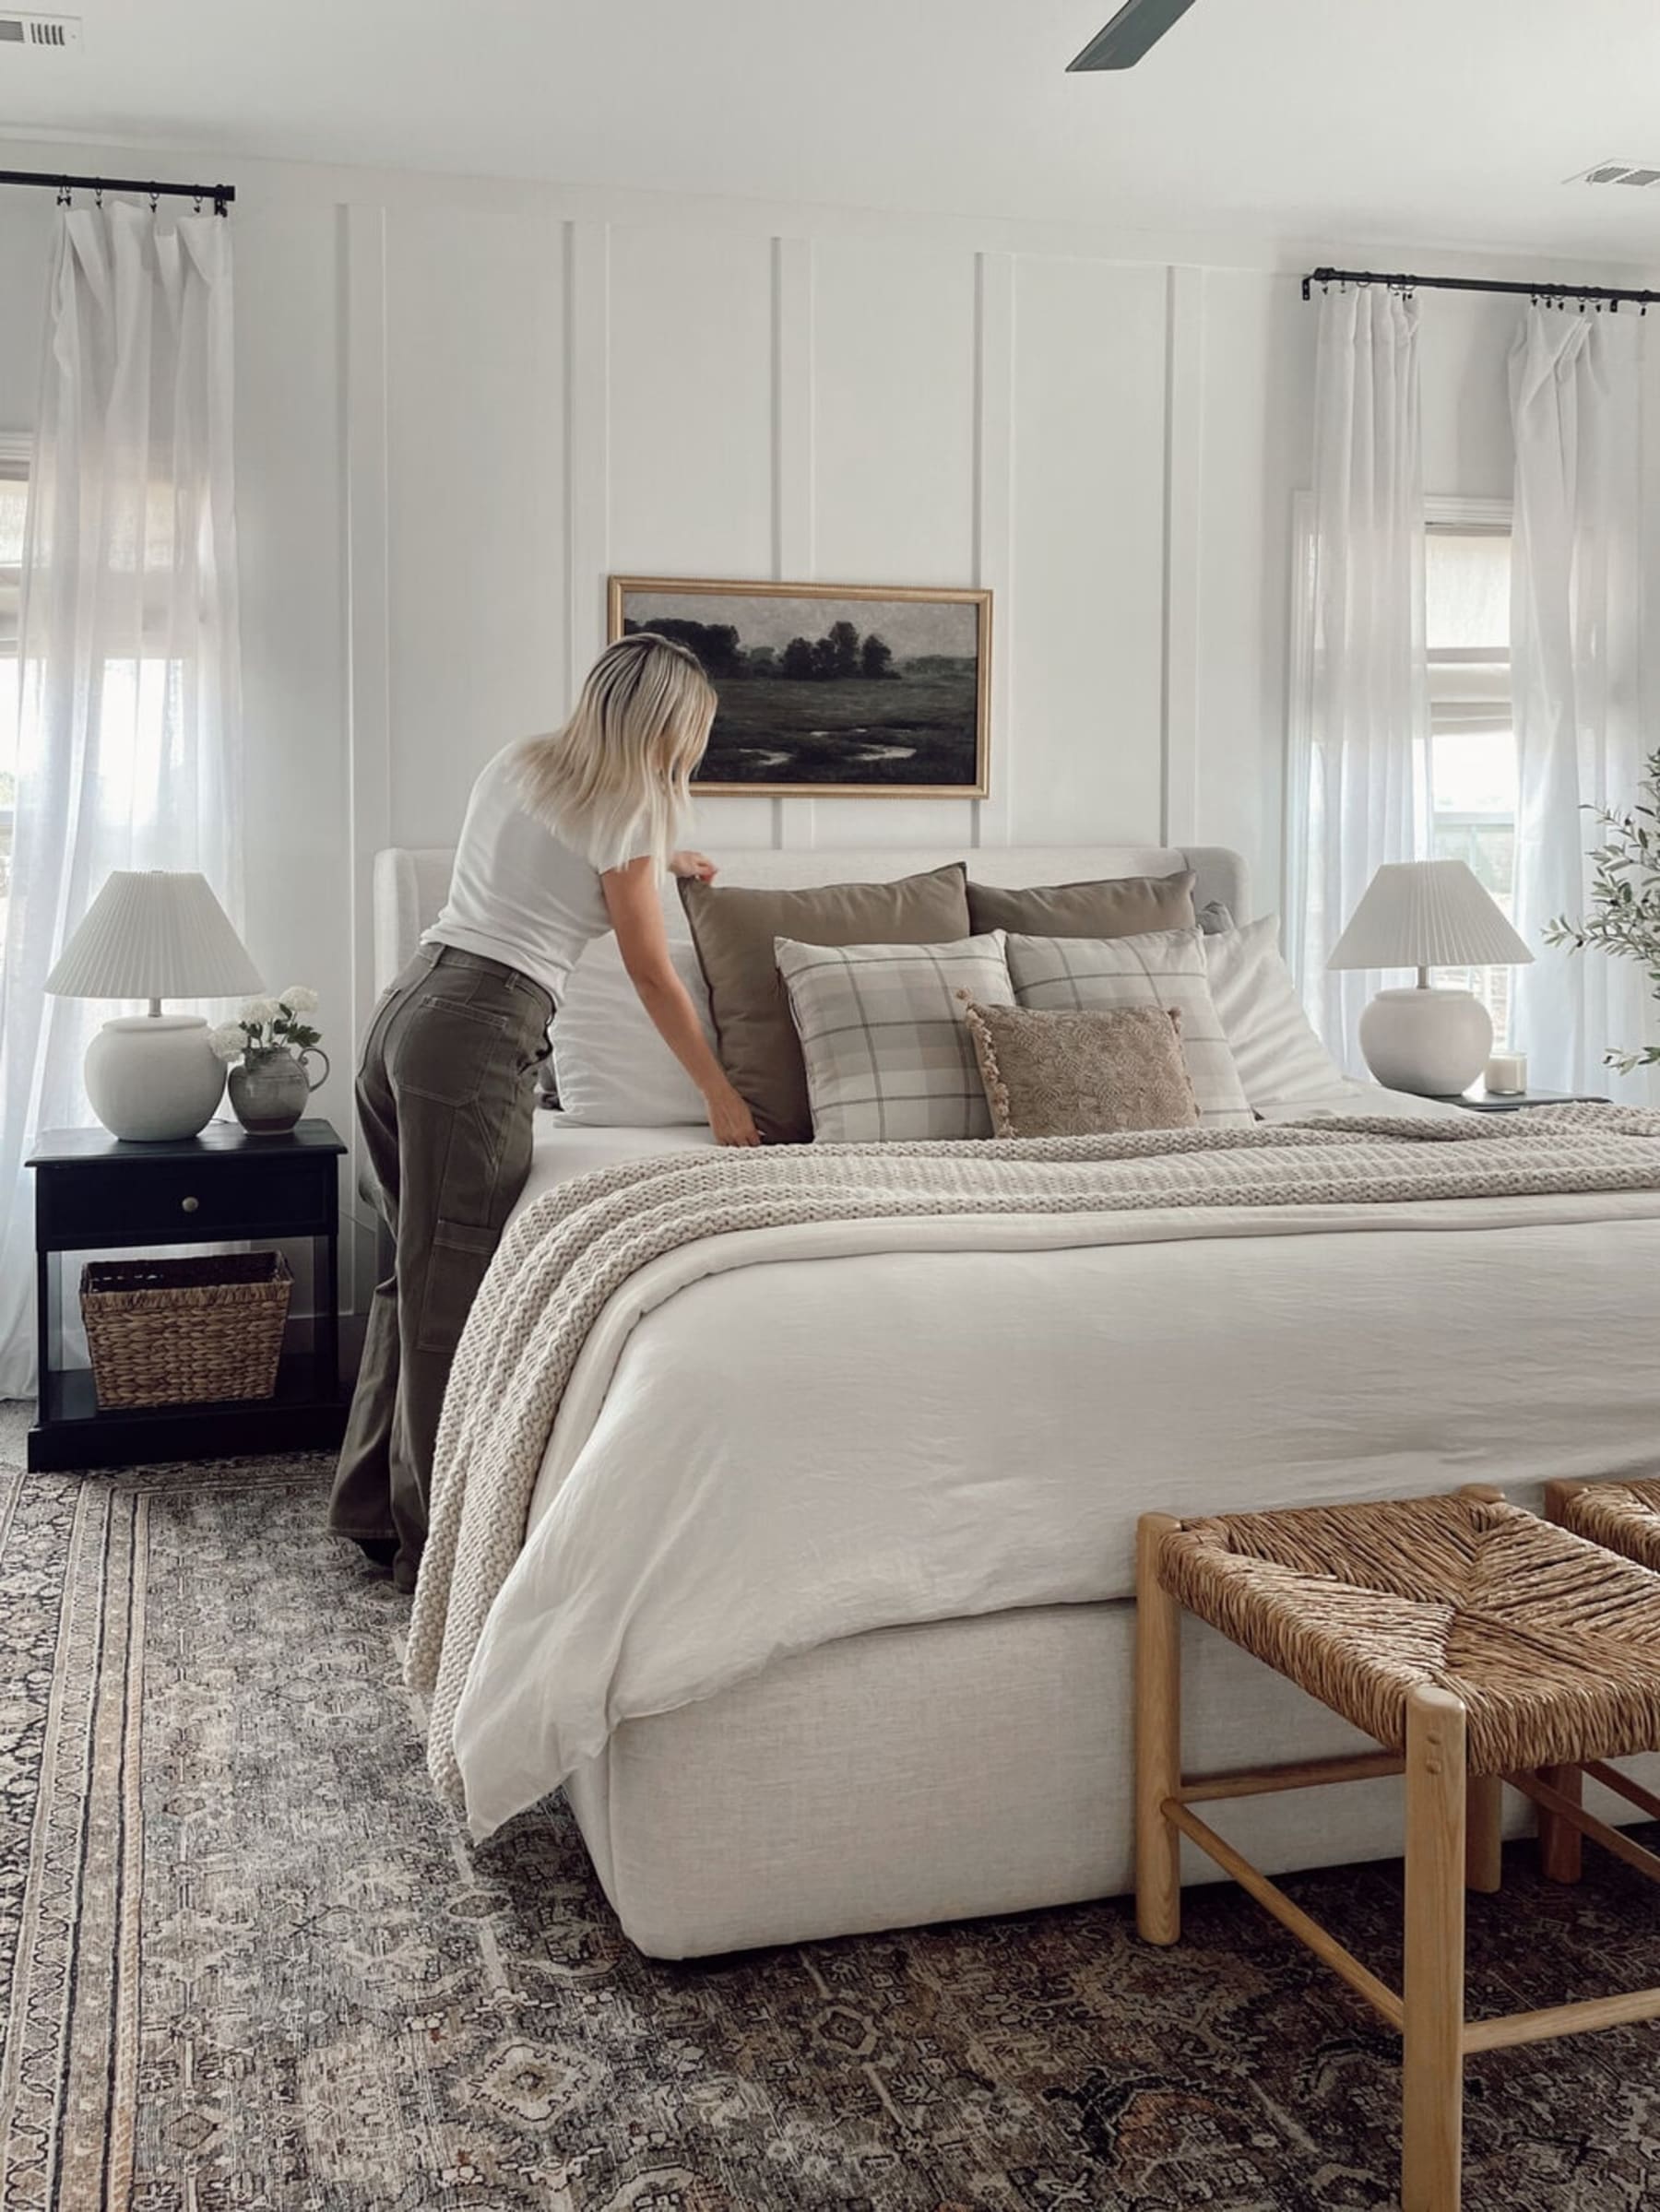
(565, 838)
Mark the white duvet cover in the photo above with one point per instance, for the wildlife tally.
(789, 1435)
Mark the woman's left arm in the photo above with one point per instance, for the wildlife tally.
(631, 899)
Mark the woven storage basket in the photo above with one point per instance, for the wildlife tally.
(186, 1331)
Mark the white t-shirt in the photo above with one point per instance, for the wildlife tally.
(519, 893)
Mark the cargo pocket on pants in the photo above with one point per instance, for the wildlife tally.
(460, 1255)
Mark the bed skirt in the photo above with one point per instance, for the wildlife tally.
(940, 1772)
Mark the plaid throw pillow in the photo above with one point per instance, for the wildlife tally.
(1166, 969)
(889, 1059)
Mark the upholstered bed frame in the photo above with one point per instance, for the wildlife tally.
(961, 1768)
(410, 884)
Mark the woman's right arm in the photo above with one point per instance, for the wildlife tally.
(631, 899)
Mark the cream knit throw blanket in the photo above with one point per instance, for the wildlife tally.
(567, 1255)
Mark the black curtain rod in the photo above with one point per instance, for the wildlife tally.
(220, 194)
(1613, 294)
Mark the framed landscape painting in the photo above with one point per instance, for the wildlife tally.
(831, 691)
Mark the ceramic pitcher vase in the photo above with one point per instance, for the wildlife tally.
(269, 1091)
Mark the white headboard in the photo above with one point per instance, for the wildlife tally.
(411, 886)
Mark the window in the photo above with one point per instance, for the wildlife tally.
(1472, 777)
(14, 501)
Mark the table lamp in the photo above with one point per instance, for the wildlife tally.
(156, 935)
(1427, 914)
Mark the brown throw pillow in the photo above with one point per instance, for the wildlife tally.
(733, 928)
(1081, 1074)
(1117, 906)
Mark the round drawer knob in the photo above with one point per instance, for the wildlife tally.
(189, 1205)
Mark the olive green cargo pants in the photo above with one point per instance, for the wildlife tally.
(447, 1098)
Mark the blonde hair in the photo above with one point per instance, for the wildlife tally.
(622, 763)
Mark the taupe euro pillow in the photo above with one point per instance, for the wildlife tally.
(1071, 1074)
(1116, 906)
(734, 928)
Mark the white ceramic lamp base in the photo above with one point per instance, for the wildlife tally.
(152, 1077)
(1433, 1043)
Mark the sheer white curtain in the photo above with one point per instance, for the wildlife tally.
(1365, 796)
(129, 736)
(1574, 665)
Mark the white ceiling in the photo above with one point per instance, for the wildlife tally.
(1435, 122)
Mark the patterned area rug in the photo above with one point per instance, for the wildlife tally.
(251, 1966)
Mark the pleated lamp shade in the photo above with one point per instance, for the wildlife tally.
(1427, 914)
(159, 934)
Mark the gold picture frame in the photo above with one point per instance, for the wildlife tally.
(830, 706)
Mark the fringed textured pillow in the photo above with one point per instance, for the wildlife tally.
(1081, 1074)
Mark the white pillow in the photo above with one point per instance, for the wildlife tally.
(888, 1054)
(612, 1067)
(1278, 1057)
(1164, 968)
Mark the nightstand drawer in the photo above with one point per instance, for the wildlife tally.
(176, 1201)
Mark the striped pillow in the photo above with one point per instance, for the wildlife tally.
(1167, 968)
(889, 1058)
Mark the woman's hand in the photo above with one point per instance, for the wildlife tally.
(730, 1117)
(695, 866)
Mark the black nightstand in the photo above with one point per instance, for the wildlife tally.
(95, 1193)
(1507, 1102)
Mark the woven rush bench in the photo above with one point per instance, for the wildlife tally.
(1622, 1516)
(1476, 1645)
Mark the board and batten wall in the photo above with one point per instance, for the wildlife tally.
(462, 403)
(692, 399)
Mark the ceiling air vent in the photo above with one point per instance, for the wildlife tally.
(54, 33)
(1640, 174)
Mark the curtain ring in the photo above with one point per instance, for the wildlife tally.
(155, 201)
(198, 203)
(63, 198)
(220, 208)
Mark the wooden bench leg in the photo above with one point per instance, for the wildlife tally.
(1157, 1738)
(1561, 1848)
(1432, 1989)
(1484, 1842)
(1557, 1495)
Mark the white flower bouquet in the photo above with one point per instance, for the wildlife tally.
(269, 1025)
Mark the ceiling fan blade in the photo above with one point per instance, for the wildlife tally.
(1138, 25)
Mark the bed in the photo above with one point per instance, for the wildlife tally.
(956, 1744)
